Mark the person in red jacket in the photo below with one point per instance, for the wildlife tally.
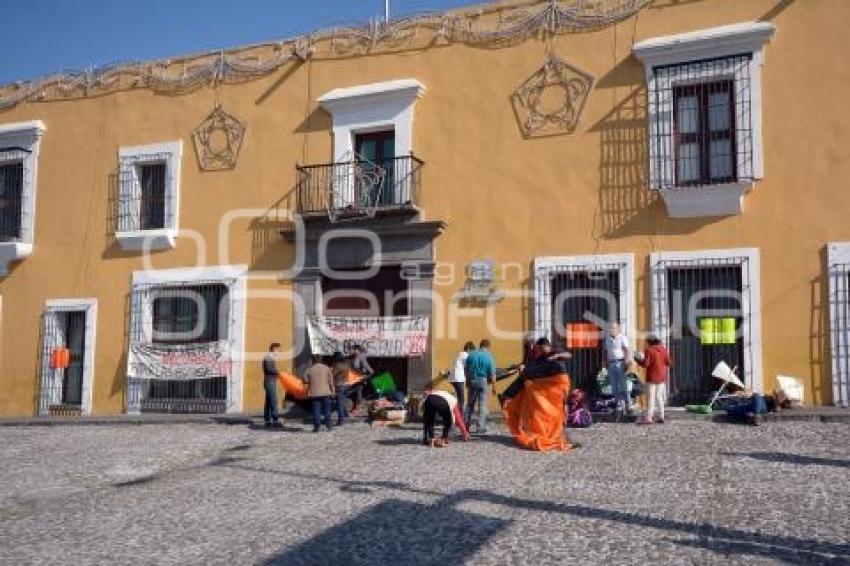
(656, 360)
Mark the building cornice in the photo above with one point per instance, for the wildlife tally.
(722, 41)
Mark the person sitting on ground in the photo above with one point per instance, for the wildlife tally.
(548, 363)
(656, 360)
(340, 371)
(436, 402)
(320, 384)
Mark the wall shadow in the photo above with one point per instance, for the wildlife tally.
(396, 531)
(820, 356)
(625, 201)
(777, 9)
(318, 120)
(269, 251)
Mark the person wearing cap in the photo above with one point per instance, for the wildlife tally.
(546, 364)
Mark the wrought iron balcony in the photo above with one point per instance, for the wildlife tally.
(359, 187)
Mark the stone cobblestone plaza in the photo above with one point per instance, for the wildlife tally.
(687, 492)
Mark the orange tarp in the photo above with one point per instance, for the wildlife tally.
(292, 385)
(536, 415)
(353, 377)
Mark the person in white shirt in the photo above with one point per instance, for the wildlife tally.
(618, 357)
(458, 375)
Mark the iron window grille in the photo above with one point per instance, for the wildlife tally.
(701, 123)
(188, 315)
(144, 202)
(178, 315)
(718, 288)
(592, 296)
(12, 174)
(839, 299)
(359, 185)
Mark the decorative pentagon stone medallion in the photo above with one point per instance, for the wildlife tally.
(551, 100)
(218, 139)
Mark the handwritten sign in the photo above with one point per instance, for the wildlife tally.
(178, 361)
(381, 336)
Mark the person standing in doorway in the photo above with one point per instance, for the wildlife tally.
(618, 358)
(320, 388)
(656, 360)
(270, 377)
(360, 364)
(458, 376)
(340, 369)
(480, 372)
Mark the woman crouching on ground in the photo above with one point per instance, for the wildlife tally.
(444, 404)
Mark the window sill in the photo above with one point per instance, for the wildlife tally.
(707, 200)
(12, 251)
(140, 240)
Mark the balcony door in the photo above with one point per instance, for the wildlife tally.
(376, 149)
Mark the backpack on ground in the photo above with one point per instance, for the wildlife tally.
(580, 418)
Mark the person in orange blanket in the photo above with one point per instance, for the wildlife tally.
(546, 363)
(436, 402)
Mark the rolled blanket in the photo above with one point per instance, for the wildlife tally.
(292, 385)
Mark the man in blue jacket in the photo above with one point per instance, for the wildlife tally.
(480, 373)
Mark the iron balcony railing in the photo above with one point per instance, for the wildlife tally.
(359, 186)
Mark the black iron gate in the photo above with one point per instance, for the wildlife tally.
(706, 326)
(72, 378)
(581, 299)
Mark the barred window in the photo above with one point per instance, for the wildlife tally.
(701, 123)
(188, 315)
(143, 193)
(148, 195)
(152, 209)
(705, 133)
(11, 197)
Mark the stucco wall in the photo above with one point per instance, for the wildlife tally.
(503, 196)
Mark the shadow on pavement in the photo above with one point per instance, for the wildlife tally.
(784, 458)
(384, 529)
(397, 532)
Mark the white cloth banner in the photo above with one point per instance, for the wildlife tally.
(179, 361)
(381, 336)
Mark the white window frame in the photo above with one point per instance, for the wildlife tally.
(838, 262)
(714, 43)
(234, 278)
(371, 108)
(26, 135)
(548, 266)
(49, 376)
(750, 301)
(129, 160)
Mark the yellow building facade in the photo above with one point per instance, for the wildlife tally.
(537, 165)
